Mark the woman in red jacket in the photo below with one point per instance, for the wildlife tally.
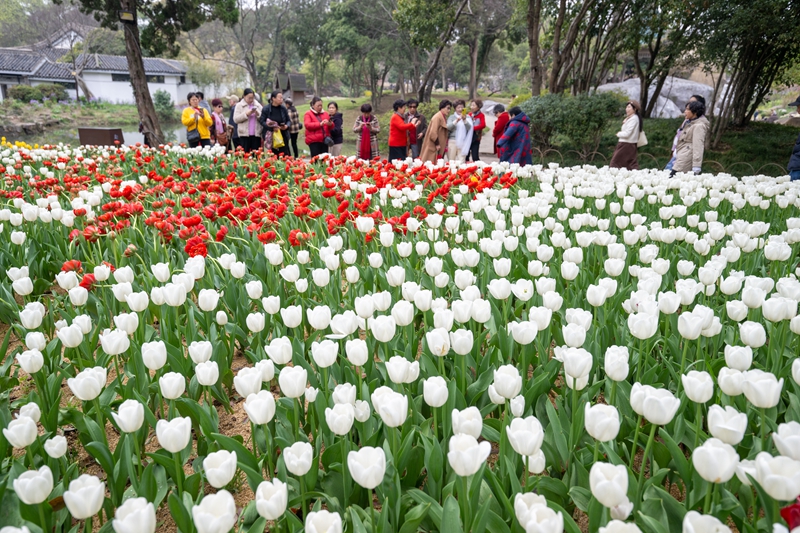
(317, 124)
(500, 125)
(478, 125)
(398, 131)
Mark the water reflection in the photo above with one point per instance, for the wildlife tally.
(70, 136)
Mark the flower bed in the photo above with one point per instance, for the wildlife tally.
(414, 347)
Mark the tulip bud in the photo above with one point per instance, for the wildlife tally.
(200, 351)
(609, 483)
(466, 455)
(292, 381)
(727, 424)
(602, 422)
(130, 416)
(135, 515)
(340, 418)
(260, 407)
(357, 352)
(699, 386)
(660, 406)
(174, 435)
(324, 353)
(435, 391)
(172, 385)
(31, 361)
(468, 421)
(272, 497)
(715, 461)
(694, 522)
(525, 435)
(34, 486)
(56, 446)
(247, 381)
(367, 466)
(762, 389)
(216, 513)
(323, 522)
(85, 496)
(219, 468)
(154, 354)
(207, 373)
(787, 439)
(298, 458)
(86, 386)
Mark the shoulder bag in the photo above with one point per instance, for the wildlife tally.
(193, 136)
(328, 140)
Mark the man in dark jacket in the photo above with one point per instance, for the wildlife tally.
(275, 116)
(515, 144)
(794, 161)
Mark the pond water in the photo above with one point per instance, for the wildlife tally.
(70, 136)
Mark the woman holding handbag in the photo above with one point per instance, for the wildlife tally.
(318, 126)
(197, 121)
(220, 127)
(275, 124)
(625, 155)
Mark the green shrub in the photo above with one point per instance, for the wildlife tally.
(581, 119)
(53, 91)
(165, 109)
(25, 93)
(520, 98)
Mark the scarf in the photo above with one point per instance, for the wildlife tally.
(463, 138)
(365, 149)
(219, 124)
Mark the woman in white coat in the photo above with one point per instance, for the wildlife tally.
(625, 155)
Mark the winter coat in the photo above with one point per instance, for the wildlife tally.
(266, 111)
(202, 124)
(337, 132)
(689, 152)
(794, 161)
(294, 117)
(315, 131)
(243, 121)
(499, 128)
(435, 141)
(629, 132)
(515, 144)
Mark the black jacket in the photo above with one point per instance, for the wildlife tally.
(265, 114)
(337, 133)
(794, 161)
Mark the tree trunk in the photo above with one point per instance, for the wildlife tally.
(437, 54)
(402, 83)
(141, 92)
(473, 67)
(444, 79)
(534, 27)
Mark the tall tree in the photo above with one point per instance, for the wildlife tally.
(431, 25)
(164, 22)
(482, 24)
(312, 37)
(568, 22)
(257, 37)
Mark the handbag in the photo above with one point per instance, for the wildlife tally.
(277, 139)
(328, 140)
(642, 140)
(193, 136)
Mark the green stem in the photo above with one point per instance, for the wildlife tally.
(345, 492)
(698, 425)
(303, 498)
(596, 450)
(372, 513)
(29, 454)
(435, 424)
(178, 473)
(465, 503)
(707, 502)
(464, 374)
(138, 451)
(613, 392)
(87, 525)
(296, 419)
(635, 440)
(99, 415)
(268, 437)
(253, 436)
(42, 517)
(683, 364)
(763, 429)
(644, 462)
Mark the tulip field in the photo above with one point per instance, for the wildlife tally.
(204, 343)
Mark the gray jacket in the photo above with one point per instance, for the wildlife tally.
(691, 144)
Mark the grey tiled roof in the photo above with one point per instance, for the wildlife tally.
(20, 62)
(54, 71)
(152, 65)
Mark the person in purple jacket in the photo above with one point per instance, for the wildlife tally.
(515, 144)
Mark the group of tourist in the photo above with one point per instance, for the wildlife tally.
(453, 133)
(687, 146)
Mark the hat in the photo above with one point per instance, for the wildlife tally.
(635, 105)
(795, 103)
(232, 97)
